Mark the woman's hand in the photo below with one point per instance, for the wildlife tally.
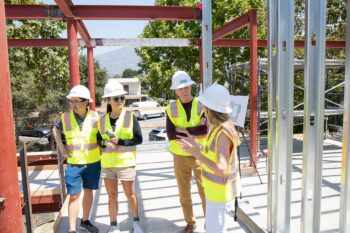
(188, 144)
(111, 145)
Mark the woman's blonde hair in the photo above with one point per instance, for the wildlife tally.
(217, 118)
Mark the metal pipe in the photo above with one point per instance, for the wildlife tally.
(207, 44)
(253, 77)
(91, 76)
(10, 201)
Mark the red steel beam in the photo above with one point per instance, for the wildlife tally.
(253, 92)
(33, 12)
(65, 6)
(195, 42)
(45, 203)
(84, 33)
(98, 12)
(91, 76)
(73, 53)
(10, 202)
(236, 24)
(19, 43)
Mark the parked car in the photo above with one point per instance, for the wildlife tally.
(147, 113)
(36, 131)
(158, 134)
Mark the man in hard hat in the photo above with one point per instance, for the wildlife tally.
(79, 126)
(186, 114)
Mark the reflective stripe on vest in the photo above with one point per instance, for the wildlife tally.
(81, 144)
(90, 146)
(218, 188)
(218, 179)
(178, 117)
(120, 149)
(123, 156)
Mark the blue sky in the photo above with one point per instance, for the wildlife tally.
(112, 29)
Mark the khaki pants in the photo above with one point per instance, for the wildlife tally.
(183, 166)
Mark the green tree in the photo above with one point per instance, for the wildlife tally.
(101, 77)
(129, 73)
(39, 76)
(158, 64)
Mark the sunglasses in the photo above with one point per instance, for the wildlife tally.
(118, 98)
(75, 101)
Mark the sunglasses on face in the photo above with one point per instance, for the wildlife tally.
(75, 101)
(119, 98)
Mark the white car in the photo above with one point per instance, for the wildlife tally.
(158, 134)
(151, 109)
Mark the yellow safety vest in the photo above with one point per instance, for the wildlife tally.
(124, 156)
(177, 116)
(82, 144)
(218, 188)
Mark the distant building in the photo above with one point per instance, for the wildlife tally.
(133, 87)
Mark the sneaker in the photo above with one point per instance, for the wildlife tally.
(72, 232)
(137, 227)
(87, 226)
(189, 228)
(114, 229)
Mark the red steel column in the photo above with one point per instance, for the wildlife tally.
(10, 209)
(253, 86)
(91, 76)
(73, 52)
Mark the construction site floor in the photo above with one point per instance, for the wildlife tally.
(160, 209)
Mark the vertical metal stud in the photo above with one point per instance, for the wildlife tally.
(344, 224)
(207, 43)
(314, 73)
(272, 85)
(284, 112)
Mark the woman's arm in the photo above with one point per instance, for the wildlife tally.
(224, 148)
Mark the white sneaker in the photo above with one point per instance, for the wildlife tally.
(114, 229)
(137, 227)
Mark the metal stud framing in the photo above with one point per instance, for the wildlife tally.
(314, 73)
(284, 112)
(344, 225)
(207, 44)
(272, 84)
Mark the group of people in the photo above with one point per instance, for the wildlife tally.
(202, 138)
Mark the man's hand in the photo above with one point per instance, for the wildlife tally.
(64, 152)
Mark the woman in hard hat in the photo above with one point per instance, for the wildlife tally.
(220, 169)
(121, 133)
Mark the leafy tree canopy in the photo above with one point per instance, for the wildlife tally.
(39, 76)
(130, 73)
(158, 64)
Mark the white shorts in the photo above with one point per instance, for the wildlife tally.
(217, 214)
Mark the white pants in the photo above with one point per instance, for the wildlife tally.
(217, 215)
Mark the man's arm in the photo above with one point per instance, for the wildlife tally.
(57, 135)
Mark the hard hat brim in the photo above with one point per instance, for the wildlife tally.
(212, 106)
(190, 83)
(119, 93)
(70, 96)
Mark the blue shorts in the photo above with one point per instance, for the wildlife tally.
(76, 175)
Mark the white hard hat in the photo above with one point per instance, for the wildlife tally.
(81, 92)
(217, 98)
(180, 79)
(113, 88)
